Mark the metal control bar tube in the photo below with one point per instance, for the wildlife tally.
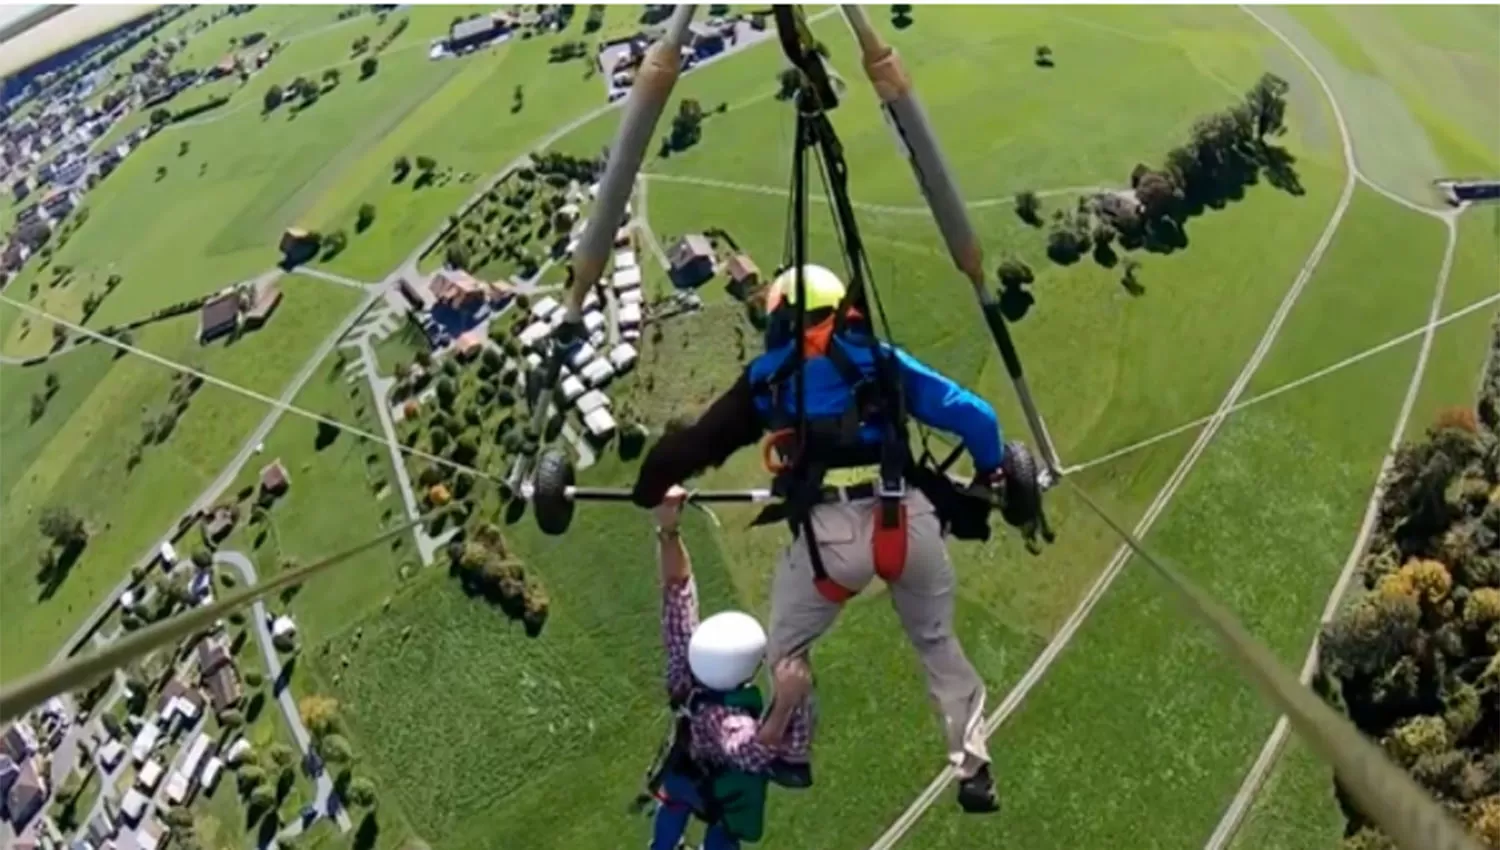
(893, 86)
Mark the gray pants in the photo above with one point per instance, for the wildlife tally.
(923, 598)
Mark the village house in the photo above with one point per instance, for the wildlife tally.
(219, 315)
(218, 524)
(457, 290)
(28, 793)
(19, 742)
(213, 654)
(274, 478)
(744, 275)
(223, 687)
(262, 299)
(692, 260)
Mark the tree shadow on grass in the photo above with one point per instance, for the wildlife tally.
(284, 678)
(254, 707)
(51, 577)
(368, 832)
(269, 826)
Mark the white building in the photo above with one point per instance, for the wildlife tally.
(626, 278)
(145, 742)
(177, 788)
(211, 774)
(168, 555)
(533, 334)
(195, 756)
(593, 321)
(572, 388)
(283, 627)
(238, 750)
(582, 355)
(631, 296)
(630, 315)
(631, 335)
(534, 360)
(600, 424)
(151, 835)
(623, 356)
(624, 260)
(591, 401)
(597, 373)
(149, 777)
(591, 300)
(111, 753)
(543, 308)
(133, 807)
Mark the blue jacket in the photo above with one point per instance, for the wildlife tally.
(740, 416)
(931, 398)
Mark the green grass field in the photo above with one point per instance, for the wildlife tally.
(76, 454)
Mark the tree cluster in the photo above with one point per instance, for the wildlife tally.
(567, 51)
(1415, 660)
(1227, 152)
(485, 566)
(396, 30)
(687, 127)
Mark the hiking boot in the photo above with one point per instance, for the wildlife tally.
(976, 795)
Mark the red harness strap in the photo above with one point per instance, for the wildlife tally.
(889, 543)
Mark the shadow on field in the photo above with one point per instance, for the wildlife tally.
(367, 834)
(55, 570)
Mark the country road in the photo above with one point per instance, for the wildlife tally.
(246, 569)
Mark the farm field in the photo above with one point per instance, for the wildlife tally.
(78, 453)
(480, 730)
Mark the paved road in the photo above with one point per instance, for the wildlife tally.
(284, 698)
(333, 278)
(380, 387)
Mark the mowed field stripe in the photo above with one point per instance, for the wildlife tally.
(1116, 564)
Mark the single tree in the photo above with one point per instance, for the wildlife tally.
(368, 67)
(331, 77)
(447, 392)
(365, 218)
(1029, 207)
(362, 792)
(1267, 102)
(183, 147)
(335, 749)
(402, 167)
(62, 526)
(262, 797)
(38, 406)
(1014, 273)
(160, 116)
(426, 163)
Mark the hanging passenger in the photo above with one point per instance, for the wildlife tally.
(724, 749)
(845, 530)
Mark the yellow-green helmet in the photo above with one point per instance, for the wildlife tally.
(825, 290)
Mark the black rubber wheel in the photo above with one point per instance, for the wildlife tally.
(1023, 492)
(554, 509)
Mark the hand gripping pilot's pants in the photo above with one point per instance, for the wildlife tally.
(923, 598)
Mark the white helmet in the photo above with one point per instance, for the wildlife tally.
(726, 649)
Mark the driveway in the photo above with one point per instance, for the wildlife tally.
(246, 569)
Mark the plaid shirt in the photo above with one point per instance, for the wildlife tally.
(720, 735)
